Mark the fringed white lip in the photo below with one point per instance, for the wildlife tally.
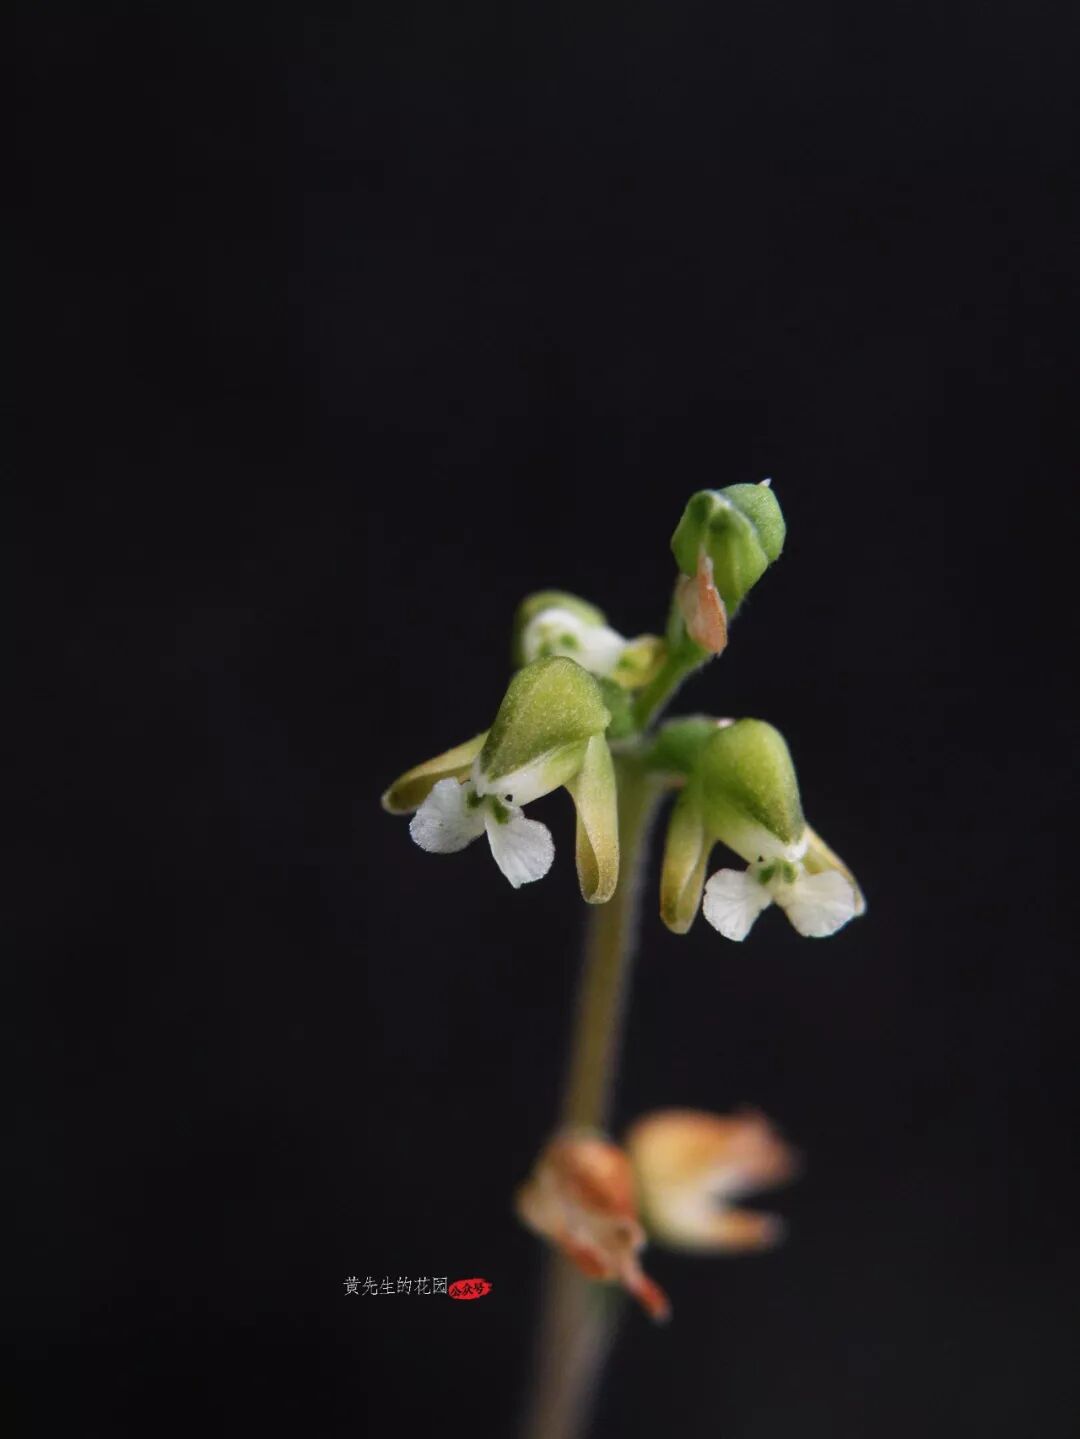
(453, 815)
(523, 848)
(733, 899)
(816, 905)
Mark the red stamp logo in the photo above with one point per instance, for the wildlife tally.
(469, 1288)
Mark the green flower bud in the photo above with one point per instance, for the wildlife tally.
(741, 531)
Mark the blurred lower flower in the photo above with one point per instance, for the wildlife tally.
(580, 1197)
(689, 1165)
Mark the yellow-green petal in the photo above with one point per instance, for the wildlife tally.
(594, 793)
(686, 854)
(413, 787)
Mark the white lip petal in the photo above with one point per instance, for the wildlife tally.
(820, 904)
(523, 848)
(446, 822)
(733, 900)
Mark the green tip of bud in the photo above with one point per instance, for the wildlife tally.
(550, 706)
(740, 528)
(749, 790)
(532, 605)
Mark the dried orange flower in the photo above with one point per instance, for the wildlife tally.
(581, 1197)
(689, 1165)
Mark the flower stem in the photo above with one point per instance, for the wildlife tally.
(578, 1319)
(610, 942)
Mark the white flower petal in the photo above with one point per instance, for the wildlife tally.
(733, 900)
(820, 904)
(535, 779)
(446, 822)
(523, 848)
(556, 631)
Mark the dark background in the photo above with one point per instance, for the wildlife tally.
(342, 335)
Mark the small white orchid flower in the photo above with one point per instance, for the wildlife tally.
(555, 623)
(743, 792)
(548, 733)
(559, 631)
(816, 904)
(454, 814)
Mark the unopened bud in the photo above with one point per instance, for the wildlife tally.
(739, 529)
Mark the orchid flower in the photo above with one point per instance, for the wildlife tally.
(548, 733)
(690, 1166)
(742, 790)
(581, 1198)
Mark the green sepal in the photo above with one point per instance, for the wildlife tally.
(550, 705)
(741, 529)
(749, 790)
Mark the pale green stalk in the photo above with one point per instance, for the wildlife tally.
(578, 1321)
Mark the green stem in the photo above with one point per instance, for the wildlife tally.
(683, 658)
(611, 940)
(578, 1319)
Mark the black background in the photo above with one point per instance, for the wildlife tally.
(342, 336)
